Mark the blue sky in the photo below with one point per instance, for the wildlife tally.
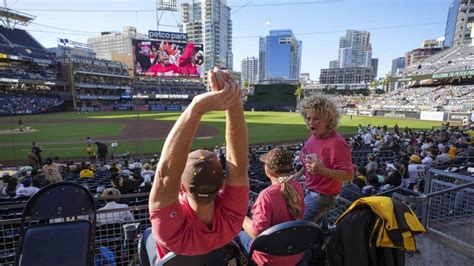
(310, 23)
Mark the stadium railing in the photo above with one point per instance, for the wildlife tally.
(450, 208)
(110, 236)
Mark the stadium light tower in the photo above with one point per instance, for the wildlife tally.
(10, 18)
(163, 6)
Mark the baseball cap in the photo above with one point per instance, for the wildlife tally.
(111, 192)
(278, 160)
(203, 175)
(49, 160)
(415, 158)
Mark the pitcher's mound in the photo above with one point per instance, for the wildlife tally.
(17, 131)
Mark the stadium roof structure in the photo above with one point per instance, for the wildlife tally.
(10, 18)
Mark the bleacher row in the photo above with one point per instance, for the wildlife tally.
(425, 98)
(453, 59)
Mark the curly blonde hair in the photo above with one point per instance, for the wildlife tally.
(322, 106)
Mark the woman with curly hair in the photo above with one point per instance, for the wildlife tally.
(326, 156)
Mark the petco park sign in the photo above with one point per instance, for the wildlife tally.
(170, 36)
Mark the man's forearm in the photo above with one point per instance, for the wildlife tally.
(340, 175)
(173, 159)
(237, 146)
(178, 143)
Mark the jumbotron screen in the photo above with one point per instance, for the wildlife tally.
(162, 58)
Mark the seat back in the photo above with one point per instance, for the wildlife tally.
(147, 248)
(288, 238)
(49, 239)
(62, 199)
(217, 257)
(56, 244)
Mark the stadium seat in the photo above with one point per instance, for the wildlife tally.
(289, 238)
(218, 257)
(48, 242)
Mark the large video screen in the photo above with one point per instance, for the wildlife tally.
(168, 58)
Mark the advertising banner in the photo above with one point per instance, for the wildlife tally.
(432, 116)
(397, 114)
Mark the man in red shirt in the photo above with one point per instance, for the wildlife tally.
(201, 218)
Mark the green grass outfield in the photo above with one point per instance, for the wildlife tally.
(67, 139)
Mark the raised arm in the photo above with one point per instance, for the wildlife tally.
(235, 134)
(167, 183)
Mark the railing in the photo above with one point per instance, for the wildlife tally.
(109, 231)
(450, 207)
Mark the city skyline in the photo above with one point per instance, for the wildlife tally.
(395, 27)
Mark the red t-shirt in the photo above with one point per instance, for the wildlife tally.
(335, 154)
(270, 209)
(177, 227)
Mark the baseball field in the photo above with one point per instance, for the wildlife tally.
(64, 134)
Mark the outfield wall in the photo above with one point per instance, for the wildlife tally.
(423, 115)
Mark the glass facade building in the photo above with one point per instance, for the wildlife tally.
(451, 23)
(280, 56)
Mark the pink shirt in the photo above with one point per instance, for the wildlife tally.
(270, 209)
(177, 227)
(335, 154)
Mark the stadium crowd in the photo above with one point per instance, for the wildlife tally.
(26, 103)
(452, 98)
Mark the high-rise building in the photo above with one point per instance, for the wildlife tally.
(398, 65)
(348, 75)
(451, 23)
(375, 67)
(464, 23)
(355, 49)
(280, 56)
(249, 68)
(114, 42)
(209, 22)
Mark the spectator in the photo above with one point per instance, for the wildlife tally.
(10, 189)
(373, 185)
(372, 166)
(416, 171)
(87, 172)
(128, 183)
(146, 170)
(26, 189)
(393, 176)
(122, 216)
(326, 156)
(217, 215)
(51, 171)
(281, 202)
(3, 184)
(361, 172)
(444, 158)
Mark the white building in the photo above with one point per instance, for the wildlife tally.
(249, 68)
(208, 22)
(114, 42)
